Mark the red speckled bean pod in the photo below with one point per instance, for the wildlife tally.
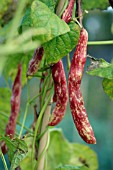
(68, 12)
(35, 61)
(15, 107)
(60, 85)
(76, 100)
(61, 93)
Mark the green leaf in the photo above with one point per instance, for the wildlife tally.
(40, 16)
(90, 5)
(69, 167)
(108, 87)
(5, 95)
(26, 21)
(17, 150)
(61, 152)
(61, 45)
(100, 68)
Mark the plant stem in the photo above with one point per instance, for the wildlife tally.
(100, 42)
(68, 61)
(79, 14)
(60, 7)
(43, 141)
(35, 97)
(3, 159)
(39, 121)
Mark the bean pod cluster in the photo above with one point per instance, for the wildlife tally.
(74, 81)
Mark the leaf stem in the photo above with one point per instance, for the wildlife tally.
(108, 42)
(35, 97)
(68, 61)
(61, 7)
(45, 87)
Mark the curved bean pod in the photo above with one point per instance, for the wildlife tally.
(15, 107)
(35, 61)
(61, 94)
(76, 100)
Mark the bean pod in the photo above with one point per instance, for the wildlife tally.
(76, 100)
(15, 107)
(58, 74)
(68, 12)
(35, 61)
(61, 94)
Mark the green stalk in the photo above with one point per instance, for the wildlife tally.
(61, 7)
(35, 97)
(45, 81)
(44, 150)
(40, 135)
(39, 121)
(68, 61)
(45, 88)
(3, 160)
(100, 42)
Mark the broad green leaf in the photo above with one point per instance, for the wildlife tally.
(61, 152)
(101, 68)
(90, 5)
(69, 167)
(26, 21)
(42, 17)
(5, 95)
(108, 87)
(19, 154)
(18, 157)
(17, 150)
(60, 46)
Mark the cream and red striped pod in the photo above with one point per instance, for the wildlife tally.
(61, 94)
(15, 107)
(35, 61)
(75, 96)
(68, 12)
